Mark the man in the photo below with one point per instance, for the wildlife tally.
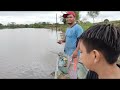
(72, 33)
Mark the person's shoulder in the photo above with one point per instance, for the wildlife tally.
(79, 26)
(92, 75)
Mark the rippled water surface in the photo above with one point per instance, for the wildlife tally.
(25, 53)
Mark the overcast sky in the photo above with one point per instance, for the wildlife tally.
(27, 17)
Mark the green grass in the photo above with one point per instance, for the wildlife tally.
(85, 26)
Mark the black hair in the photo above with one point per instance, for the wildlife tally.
(104, 38)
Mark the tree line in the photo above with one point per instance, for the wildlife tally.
(34, 25)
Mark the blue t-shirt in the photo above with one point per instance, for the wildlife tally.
(71, 38)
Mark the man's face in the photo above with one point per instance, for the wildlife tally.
(70, 19)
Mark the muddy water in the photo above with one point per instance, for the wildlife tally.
(26, 53)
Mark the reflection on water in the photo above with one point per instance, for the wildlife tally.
(25, 53)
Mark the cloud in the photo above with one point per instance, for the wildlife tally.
(28, 16)
(111, 15)
(50, 16)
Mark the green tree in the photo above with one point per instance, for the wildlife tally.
(62, 18)
(26, 25)
(77, 15)
(44, 23)
(93, 14)
(1, 25)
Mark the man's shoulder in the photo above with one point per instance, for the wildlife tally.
(78, 27)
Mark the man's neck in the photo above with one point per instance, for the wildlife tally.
(72, 24)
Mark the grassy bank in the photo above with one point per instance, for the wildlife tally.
(60, 27)
(85, 26)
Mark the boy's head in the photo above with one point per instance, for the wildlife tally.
(101, 40)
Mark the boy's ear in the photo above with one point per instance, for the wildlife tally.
(96, 56)
(95, 61)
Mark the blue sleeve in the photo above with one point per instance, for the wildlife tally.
(79, 31)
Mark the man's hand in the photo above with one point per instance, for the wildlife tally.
(61, 41)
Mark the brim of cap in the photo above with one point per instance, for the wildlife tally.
(65, 15)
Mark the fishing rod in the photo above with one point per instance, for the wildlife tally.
(59, 54)
(56, 27)
(54, 52)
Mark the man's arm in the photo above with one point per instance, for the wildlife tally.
(75, 53)
(78, 46)
(79, 31)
